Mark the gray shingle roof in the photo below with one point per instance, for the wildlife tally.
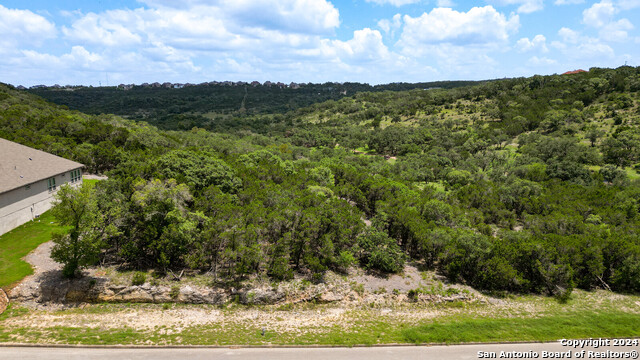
(21, 165)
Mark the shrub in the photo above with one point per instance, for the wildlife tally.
(564, 295)
(345, 259)
(175, 292)
(458, 177)
(138, 278)
(380, 252)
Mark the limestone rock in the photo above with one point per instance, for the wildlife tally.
(330, 296)
(134, 294)
(4, 301)
(261, 296)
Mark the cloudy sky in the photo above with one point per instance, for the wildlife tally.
(94, 42)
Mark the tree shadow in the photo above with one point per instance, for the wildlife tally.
(52, 287)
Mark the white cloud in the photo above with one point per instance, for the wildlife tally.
(559, 45)
(81, 66)
(539, 42)
(95, 29)
(23, 27)
(184, 29)
(384, 25)
(460, 62)
(390, 25)
(366, 46)
(543, 61)
(462, 44)
(165, 53)
(616, 31)
(478, 26)
(196, 29)
(628, 4)
(79, 57)
(594, 50)
(445, 3)
(299, 16)
(568, 35)
(526, 6)
(197, 39)
(295, 40)
(568, 2)
(394, 2)
(599, 14)
(585, 48)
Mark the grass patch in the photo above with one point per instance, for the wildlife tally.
(365, 150)
(437, 186)
(20, 241)
(362, 330)
(90, 182)
(547, 328)
(13, 311)
(632, 173)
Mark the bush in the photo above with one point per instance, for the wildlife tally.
(380, 252)
(345, 259)
(564, 295)
(463, 257)
(175, 292)
(458, 177)
(612, 174)
(279, 268)
(138, 278)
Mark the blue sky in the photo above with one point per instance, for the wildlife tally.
(374, 41)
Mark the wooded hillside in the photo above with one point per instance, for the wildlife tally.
(524, 185)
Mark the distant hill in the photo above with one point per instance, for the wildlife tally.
(187, 106)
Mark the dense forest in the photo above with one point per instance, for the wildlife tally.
(211, 106)
(523, 185)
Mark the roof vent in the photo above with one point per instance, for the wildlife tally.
(30, 159)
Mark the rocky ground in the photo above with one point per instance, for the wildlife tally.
(4, 301)
(46, 289)
(104, 307)
(46, 275)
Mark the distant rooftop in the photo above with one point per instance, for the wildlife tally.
(21, 165)
(574, 72)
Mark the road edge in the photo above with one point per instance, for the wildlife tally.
(81, 346)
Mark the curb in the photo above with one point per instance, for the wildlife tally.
(66, 346)
(235, 347)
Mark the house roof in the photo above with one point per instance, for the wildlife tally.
(21, 165)
(574, 72)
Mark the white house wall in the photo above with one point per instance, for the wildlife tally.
(23, 204)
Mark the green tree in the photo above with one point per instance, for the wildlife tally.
(81, 245)
(161, 227)
(378, 251)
